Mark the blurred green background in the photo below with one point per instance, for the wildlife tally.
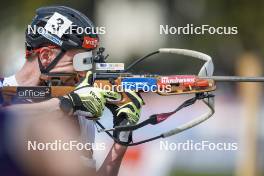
(146, 16)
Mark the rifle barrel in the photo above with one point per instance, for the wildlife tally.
(234, 78)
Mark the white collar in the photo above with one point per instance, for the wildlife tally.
(10, 81)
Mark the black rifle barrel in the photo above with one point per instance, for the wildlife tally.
(233, 78)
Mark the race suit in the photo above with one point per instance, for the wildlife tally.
(86, 126)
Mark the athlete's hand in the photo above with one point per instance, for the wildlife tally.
(128, 114)
(87, 100)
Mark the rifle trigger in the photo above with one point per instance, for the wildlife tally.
(112, 81)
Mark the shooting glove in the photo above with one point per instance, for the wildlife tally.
(128, 114)
(87, 100)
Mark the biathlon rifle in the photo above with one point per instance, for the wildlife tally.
(201, 85)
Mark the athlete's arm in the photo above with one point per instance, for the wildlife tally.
(112, 163)
(127, 114)
(48, 106)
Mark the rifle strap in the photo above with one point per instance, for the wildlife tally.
(153, 120)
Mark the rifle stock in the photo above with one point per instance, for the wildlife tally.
(9, 92)
(111, 83)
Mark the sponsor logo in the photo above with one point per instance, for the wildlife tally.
(34, 92)
(177, 79)
(145, 84)
(110, 66)
(50, 37)
(89, 42)
(95, 97)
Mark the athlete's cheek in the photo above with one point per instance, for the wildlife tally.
(63, 69)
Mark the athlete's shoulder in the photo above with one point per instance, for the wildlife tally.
(1, 85)
(1, 81)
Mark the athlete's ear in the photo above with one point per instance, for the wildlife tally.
(82, 74)
(46, 55)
